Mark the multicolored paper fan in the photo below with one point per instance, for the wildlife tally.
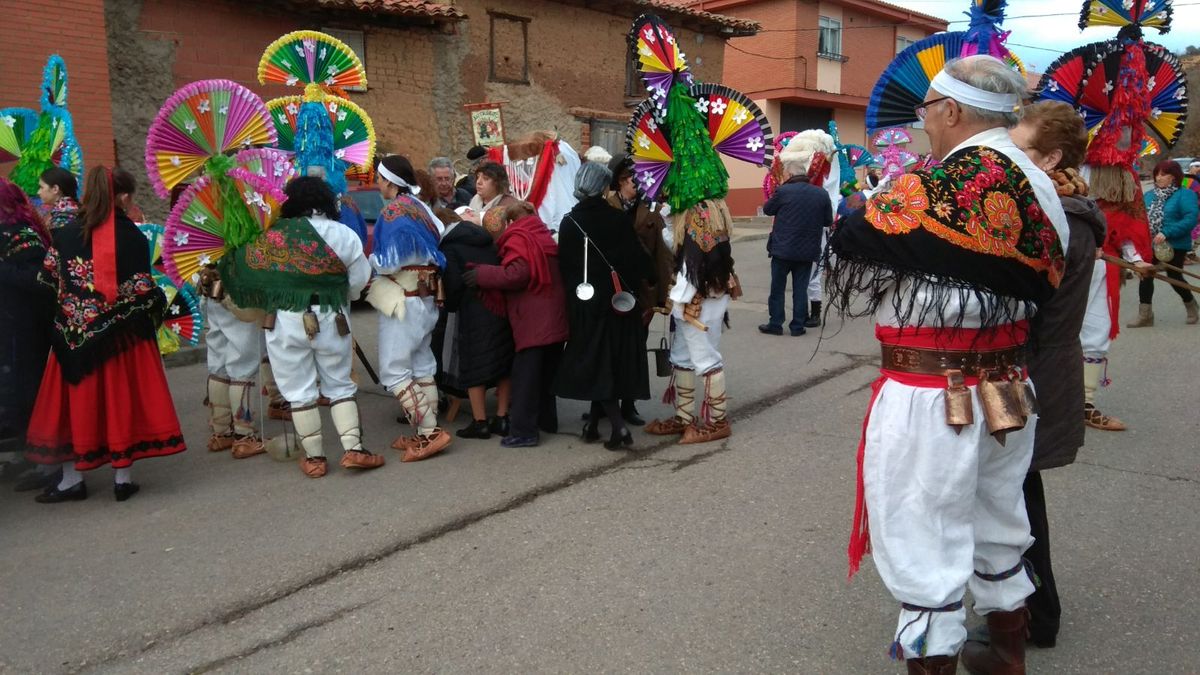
(858, 155)
(648, 146)
(1148, 13)
(154, 236)
(183, 321)
(16, 127)
(54, 83)
(1166, 86)
(1064, 79)
(657, 56)
(892, 136)
(202, 120)
(353, 132)
(736, 125)
(310, 57)
(904, 83)
(275, 165)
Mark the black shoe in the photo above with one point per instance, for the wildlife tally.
(402, 419)
(768, 329)
(619, 441)
(52, 495)
(630, 414)
(814, 314)
(477, 429)
(590, 433)
(499, 425)
(797, 332)
(123, 491)
(38, 481)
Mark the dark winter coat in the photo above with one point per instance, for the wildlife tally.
(802, 211)
(605, 356)
(26, 312)
(649, 227)
(537, 319)
(482, 341)
(1056, 365)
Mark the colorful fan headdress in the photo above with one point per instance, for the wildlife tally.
(905, 81)
(849, 158)
(676, 136)
(183, 323)
(1132, 94)
(41, 140)
(893, 158)
(323, 129)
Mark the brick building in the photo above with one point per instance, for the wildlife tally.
(559, 64)
(814, 61)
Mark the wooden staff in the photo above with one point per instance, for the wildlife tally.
(1121, 262)
(1179, 269)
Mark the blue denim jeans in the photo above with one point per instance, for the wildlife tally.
(801, 272)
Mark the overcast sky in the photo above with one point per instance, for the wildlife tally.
(1059, 33)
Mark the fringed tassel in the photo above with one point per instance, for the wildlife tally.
(668, 396)
(245, 410)
(1104, 379)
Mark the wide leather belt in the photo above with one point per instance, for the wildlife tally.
(941, 362)
(428, 282)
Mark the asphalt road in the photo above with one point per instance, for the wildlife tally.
(568, 558)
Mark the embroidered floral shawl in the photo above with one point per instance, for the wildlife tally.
(289, 267)
(971, 224)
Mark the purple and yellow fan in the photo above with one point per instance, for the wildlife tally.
(736, 125)
(657, 56)
(1121, 13)
(649, 148)
(198, 122)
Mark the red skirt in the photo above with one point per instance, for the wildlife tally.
(118, 414)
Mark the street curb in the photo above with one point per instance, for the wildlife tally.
(749, 237)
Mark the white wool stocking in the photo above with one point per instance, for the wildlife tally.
(71, 477)
(345, 420)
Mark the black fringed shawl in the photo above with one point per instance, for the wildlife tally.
(88, 330)
(968, 229)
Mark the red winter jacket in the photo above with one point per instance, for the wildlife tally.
(537, 319)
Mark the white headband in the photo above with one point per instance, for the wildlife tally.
(947, 85)
(393, 178)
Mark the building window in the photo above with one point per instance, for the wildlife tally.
(829, 44)
(634, 87)
(903, 43)
(609, 135)
(356, 42)
(509, 55)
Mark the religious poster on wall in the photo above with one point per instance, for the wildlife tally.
(487, 123)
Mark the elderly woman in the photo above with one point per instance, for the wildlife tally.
(605, 357)
(1052, 134)
(1172, 213)
(491, 198)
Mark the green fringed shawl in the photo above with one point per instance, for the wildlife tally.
(285, 268)
(697, 173)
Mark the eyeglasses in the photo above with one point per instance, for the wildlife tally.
(923, 109)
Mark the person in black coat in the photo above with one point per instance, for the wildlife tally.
(605, 357)
(478, 344)
(802, 212)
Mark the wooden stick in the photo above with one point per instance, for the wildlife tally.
(1179, 269)
(1121, 262)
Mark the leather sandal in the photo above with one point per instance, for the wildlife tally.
(314, 467)
(704, 434)
(1098, 420)
(668, 427)
(361, 459)
(248, 446)
(220, 442)
(427, 446)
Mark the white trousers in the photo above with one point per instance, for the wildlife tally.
(1097, 323)
(814, 282)
(693, 348)
(234, 346)
(942, 507)
(404, 345)
(299, 363)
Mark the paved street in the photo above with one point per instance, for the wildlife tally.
(570, 558)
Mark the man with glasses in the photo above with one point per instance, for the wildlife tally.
(952, 262)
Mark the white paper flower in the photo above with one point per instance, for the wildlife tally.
(1150, 83)
(754, 144)
(348, 133)
(647, 179)
(644, 51)
(340, 153)
(702, 106)
(175, 310)
(643, 142)
(1053, 85)
(10, 121)
(670, 39)
(1156, 113)
(200, 219)
(175, 161)
(205, 260)
(718, 106)
(323, 52)
(341, 115)
(333, 106)
(648, 35)
(651, 124)
(300, 50)
(190, 126)
(293, 80)
(181, 238)
(292, 108)
(741, 116)
(1108, 87)
(332, 70)
(204, 106)
(224, 110)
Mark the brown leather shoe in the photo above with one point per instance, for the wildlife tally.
(314, 467)
(1005, 652)
(405, 442)
(361, 459)
(933, 665)
(220, 442)
(706, 433)
(279, 410)
(668, 427)
(248, 446)
(427, 446)
(1098, 420)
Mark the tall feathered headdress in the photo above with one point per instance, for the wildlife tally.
(39, 140)
(325, 130)
(676, 136)
(905, 81)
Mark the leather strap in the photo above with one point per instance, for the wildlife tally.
(940, 362)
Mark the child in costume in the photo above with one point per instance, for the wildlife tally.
(406, 293)
(104, 397)
(304, 270)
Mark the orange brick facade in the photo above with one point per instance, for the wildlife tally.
(35, 29)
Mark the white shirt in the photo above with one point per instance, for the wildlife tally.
(346, 244)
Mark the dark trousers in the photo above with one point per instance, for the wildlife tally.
(534, 405)
(1044, 607)
(1146, 286)
(801, 272)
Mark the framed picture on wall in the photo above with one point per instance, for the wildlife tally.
(487, 123)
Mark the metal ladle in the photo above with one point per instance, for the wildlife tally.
(585, 291)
